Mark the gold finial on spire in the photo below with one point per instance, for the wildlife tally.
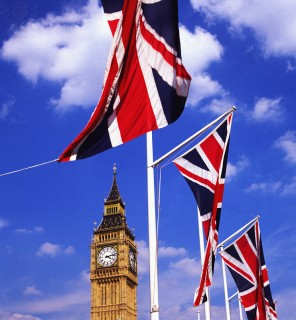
(114, 168)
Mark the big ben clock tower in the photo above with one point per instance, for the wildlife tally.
(113, 271)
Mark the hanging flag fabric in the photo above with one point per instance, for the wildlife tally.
(145, 84)
(245, 261)
(204, 168)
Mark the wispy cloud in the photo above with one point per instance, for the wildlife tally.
(233, 169)
(178, 279)
(178, 276)
(74, 301)
(265, 187)
(171, 252)
(164, 252)
(199, 50)
(5, 315)
(5, 107)
(220, 105)
(286, 304)
(289, 188)
(32, 290)
(290, 66)
(58, 303)
(50, 249)
(268, 110)
(3, 223)
(287, 143)
(275, 39)
(286, 188)
(35, 230)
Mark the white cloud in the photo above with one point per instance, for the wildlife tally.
(5, 315)
(163, 253)
(69, 301)
(177, 280)
(53, 250)
(268, 110)
(73, 303)
(279, 187)
(3, 223)
(286, 304)
(58, 303)
(5, 108)
(32, 290)
(69, 250)
(70, 49)
(289, 188)
(265, 187)
(287, 143)
(233, 169)
(143, 257)
(199, 50)
(29, 231)
(203, 87)
(290, 66)
(38, 229)
(219, 106)
(178, 276)
(189, 267)
(49, 249)
(168, 252)
(276, 38)
(84, 277)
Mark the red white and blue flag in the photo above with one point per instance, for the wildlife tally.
(204, 168)
(145, 84)
(245, 261)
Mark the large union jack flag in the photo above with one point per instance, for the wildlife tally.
(145, 84)
(245, 261)
(204, 169)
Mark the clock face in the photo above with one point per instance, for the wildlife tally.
(132, 260)
(107, 256)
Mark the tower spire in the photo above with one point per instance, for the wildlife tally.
(114, 195)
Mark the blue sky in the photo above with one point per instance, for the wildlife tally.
(52, 62)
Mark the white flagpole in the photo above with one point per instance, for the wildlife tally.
(237, 232)
(195, 135)
(227, 299)
(202, 256)
(240, 309)
(154, 305)
(227, 307)
(239, 303)
(153, 262)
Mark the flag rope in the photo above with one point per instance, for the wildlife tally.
(181, 314)
(27, 168)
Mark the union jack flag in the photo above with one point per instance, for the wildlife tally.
(204, 168)
(145, 84)
(245, 261)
